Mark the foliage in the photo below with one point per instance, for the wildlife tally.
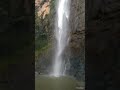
(40, 35)
(43, 30)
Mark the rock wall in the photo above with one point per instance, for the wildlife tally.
(43, 7)
(77, 27)
(77, 16)
(77, 23)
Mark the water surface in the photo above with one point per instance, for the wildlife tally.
(55, 83)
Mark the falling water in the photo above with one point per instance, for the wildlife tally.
(61, 35)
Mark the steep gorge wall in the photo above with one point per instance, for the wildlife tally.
(77, 17)
(77, 21)
(77, 26)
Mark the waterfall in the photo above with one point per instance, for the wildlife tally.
(61, 35)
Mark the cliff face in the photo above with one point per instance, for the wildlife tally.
(77, 23)
(77, 18)
(43, 7)
(46, 11)
(37, 3)
(77, 42)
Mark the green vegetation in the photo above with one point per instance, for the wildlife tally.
(41, 35)
(43, 30)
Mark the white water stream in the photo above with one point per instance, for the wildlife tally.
(61, 34)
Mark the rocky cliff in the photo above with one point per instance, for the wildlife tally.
(46, 11)
(77, 20)
(77, 23)
(43, 7)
